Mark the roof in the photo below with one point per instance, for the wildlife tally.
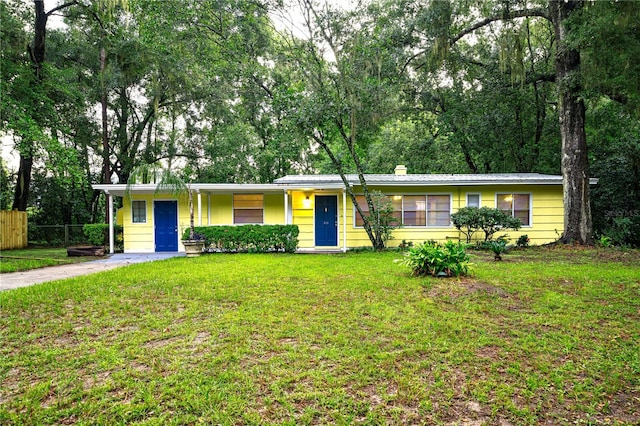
(335, 182)
(425, 179)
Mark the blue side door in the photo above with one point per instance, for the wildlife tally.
(326, 218)
(165, 218)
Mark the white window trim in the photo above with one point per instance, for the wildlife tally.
(530, 225)
(425, 195)
(233, 209)
(473, 193)
(450, 209)
(425, 211)
(146, 219)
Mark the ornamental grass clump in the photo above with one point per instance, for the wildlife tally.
(439, 260)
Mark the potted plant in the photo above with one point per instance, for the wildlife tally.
(193, 242)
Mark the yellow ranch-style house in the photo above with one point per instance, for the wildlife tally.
(321, 208)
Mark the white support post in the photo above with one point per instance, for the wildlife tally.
(286, 207)
(111, 229)
(344, 220)
(199, 209)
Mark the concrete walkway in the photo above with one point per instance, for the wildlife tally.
(35, 276)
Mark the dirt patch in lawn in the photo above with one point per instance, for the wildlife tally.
(464, 287)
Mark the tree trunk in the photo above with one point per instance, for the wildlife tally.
(105, 136)
(37, 51)
(578, 226)
(22, 184)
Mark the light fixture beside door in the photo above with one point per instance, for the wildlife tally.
(306, 202)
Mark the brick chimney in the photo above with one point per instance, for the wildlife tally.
(401, 170)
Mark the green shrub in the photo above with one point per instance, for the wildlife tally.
(443, 260)
(622, 231)
(523, 241)
(498, 247)
(469, 220)
(404, 245)
(249, 238)
(98, 233)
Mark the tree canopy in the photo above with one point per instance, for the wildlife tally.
(234, 91)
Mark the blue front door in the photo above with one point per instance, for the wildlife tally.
(326, 218)
(165, 218)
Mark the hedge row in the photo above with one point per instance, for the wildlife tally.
(249, 238)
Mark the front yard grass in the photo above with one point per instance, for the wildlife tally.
(33, 258)
(549, 335)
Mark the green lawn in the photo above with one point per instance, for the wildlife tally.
(32, 258)
(546, 336)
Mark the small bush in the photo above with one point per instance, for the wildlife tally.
(249, 238)
(523, 241)
(622, 231)
(469, 220)
(498, 247)
(404, 245)
(605, 242)
(98, 233)
(442, 260)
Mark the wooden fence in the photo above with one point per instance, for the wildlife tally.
(13, 229)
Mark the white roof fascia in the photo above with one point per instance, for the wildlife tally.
(312, 186)
(227, 188)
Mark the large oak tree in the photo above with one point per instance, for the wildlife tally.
(445, 25)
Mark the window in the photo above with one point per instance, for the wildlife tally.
(473, 200)
(139, 212)
(396, 201)
(415, 210)
(362, 202)
(517, 205)
(439, 210)
(248, 208)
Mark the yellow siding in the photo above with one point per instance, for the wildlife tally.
(303, 217)
(138, 237)
(221, 206)
(217, 209)
(274, 209)
(183, 215)
(120, 216)
(546, 225)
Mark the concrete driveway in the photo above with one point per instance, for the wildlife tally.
(35, 276)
